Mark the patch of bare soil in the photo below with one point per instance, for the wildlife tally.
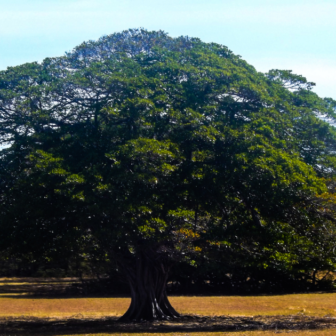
(191, 323)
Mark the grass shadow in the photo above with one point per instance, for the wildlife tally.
(78, 325)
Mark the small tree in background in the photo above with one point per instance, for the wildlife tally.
(155, 150)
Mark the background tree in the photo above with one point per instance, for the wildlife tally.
(153, 150)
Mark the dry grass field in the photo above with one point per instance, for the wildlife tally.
(307, 304)
(19, 305)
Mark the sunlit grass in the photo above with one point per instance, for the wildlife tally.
(309, 304)
(62, 307)
(22, 305)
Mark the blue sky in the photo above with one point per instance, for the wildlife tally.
(296, 34)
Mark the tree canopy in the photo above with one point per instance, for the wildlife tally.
(153, 150)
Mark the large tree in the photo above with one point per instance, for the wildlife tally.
(153, 150)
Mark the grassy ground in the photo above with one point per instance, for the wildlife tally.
(308, 304)
(20, 304)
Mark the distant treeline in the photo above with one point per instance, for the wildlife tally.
(208, 278)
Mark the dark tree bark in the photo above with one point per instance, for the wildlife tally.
(148, 282)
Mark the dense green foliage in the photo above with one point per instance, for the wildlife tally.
(141, 143)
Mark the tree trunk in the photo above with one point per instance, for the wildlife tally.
(149, 301)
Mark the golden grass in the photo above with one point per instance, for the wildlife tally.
(309, 304)
(19, 304)
(63, 307)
